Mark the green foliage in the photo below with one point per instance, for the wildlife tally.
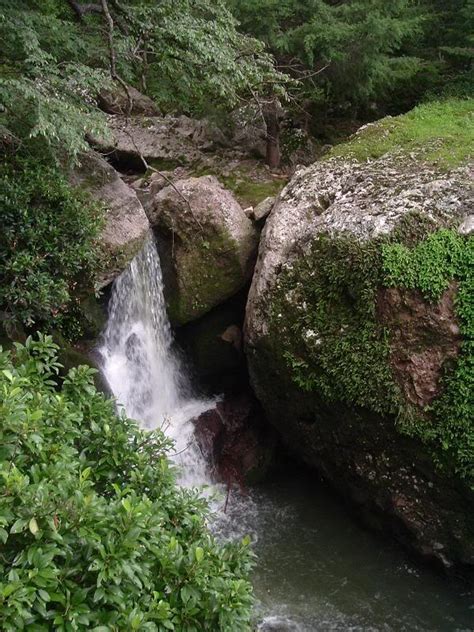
(186, 54)
(437, 262)
(337, 336)
(196, 58)
(95, 533)
(48, 245)
(357, 39)
(448, 44)
(47, 89)
(440, 131)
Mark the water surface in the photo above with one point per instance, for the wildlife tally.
(319, 570)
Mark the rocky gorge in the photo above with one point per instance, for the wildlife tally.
(358, 321)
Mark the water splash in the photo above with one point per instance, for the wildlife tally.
(143, 369)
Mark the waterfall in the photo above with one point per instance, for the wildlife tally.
(141, 366)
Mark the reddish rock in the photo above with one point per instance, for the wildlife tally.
(235, 440)
(424, 336)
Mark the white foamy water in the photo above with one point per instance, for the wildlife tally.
(142, 368)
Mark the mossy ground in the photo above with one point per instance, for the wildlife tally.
(440, 132)
(249, 186)
(251, 192)
(325, 325)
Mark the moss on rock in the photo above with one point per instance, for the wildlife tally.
(440, 131)
(328, 332)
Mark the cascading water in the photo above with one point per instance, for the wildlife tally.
(142, 368)
(310, 556)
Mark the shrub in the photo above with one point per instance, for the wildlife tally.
(95, 533)
(48, 243)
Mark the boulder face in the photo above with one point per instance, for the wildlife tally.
(237, 443)
(117, 101)
(166, 141)
(206, 242)
(126, 224)
(356, 322)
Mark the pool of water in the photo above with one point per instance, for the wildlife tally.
(319, 570)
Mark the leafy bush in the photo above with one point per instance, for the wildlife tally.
(95, 533)
(47, 243)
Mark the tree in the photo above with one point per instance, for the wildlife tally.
(346, 54)
(448, 45)
(59, 53)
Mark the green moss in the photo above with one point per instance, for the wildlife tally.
(324, 315)
(248, 190)
(335, 336)
(441, 131)
(251, 192)
(432, 266)
(164, 164)
(205, 272)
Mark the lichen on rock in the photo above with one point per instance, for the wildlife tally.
(356, 332)
(126, 224)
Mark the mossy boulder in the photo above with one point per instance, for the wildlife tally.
(126, 224)
(207, 245)
(359, 334)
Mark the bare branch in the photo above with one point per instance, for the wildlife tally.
(170, 182)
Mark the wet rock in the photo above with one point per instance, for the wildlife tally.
(206, 242)
(126, 224)
(213, 343)
(235, 440)
(425, 336)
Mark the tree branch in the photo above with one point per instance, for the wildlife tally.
(112, 56)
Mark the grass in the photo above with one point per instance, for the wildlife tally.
(251, 192)
(441, 132)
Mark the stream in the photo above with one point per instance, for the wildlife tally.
(317, 569)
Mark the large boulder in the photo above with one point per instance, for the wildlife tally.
(163, 142)
(126, 224)
(356, 337)
(236, 441)
(214, 346)
(118, 101)
(207, 245)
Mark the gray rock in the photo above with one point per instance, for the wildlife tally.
(305, 352)
(338, 196)
(262, 210)
(171, 141)
(115, 101)
(126, 223)
(467, 226)
(207, 243)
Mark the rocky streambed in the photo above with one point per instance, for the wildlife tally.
(358, 325)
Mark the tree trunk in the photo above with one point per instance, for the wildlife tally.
(272, 121)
